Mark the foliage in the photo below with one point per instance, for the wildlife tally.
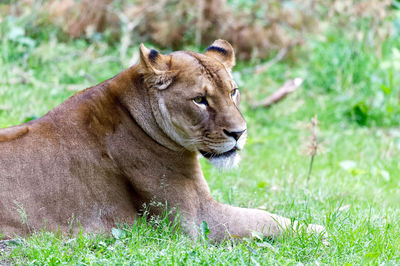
(358, 75)
(255, 28)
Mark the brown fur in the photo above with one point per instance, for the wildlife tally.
(103, 153)
(12, 133)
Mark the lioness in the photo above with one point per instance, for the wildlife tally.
(109, 150)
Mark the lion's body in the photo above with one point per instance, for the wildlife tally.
(101, 155)
(58, 172)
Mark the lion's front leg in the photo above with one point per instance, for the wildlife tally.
(224, 221)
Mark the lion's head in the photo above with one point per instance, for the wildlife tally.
(195, 100)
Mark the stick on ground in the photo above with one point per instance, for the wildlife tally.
(288, 87)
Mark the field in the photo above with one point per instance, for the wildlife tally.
(351, 85)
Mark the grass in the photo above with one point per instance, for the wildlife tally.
(354, 184)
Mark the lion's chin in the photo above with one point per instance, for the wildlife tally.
(225, 161)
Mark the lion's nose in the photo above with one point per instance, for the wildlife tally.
(234, 134)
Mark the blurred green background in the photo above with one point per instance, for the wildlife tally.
(347, 49)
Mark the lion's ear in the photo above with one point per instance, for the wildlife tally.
(223, 52)
(156, 68)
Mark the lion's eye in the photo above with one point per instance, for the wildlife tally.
(200, 100)
(234, 92)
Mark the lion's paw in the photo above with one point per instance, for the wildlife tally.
(320, 230)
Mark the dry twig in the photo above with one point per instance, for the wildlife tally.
(312, 146)
(282, 92)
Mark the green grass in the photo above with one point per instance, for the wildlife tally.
(354, 184)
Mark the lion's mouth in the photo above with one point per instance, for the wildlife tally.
(211, 155)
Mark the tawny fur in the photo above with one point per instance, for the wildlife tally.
(102, 154)
(12, 133)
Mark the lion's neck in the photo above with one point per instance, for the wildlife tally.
(136, 100)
